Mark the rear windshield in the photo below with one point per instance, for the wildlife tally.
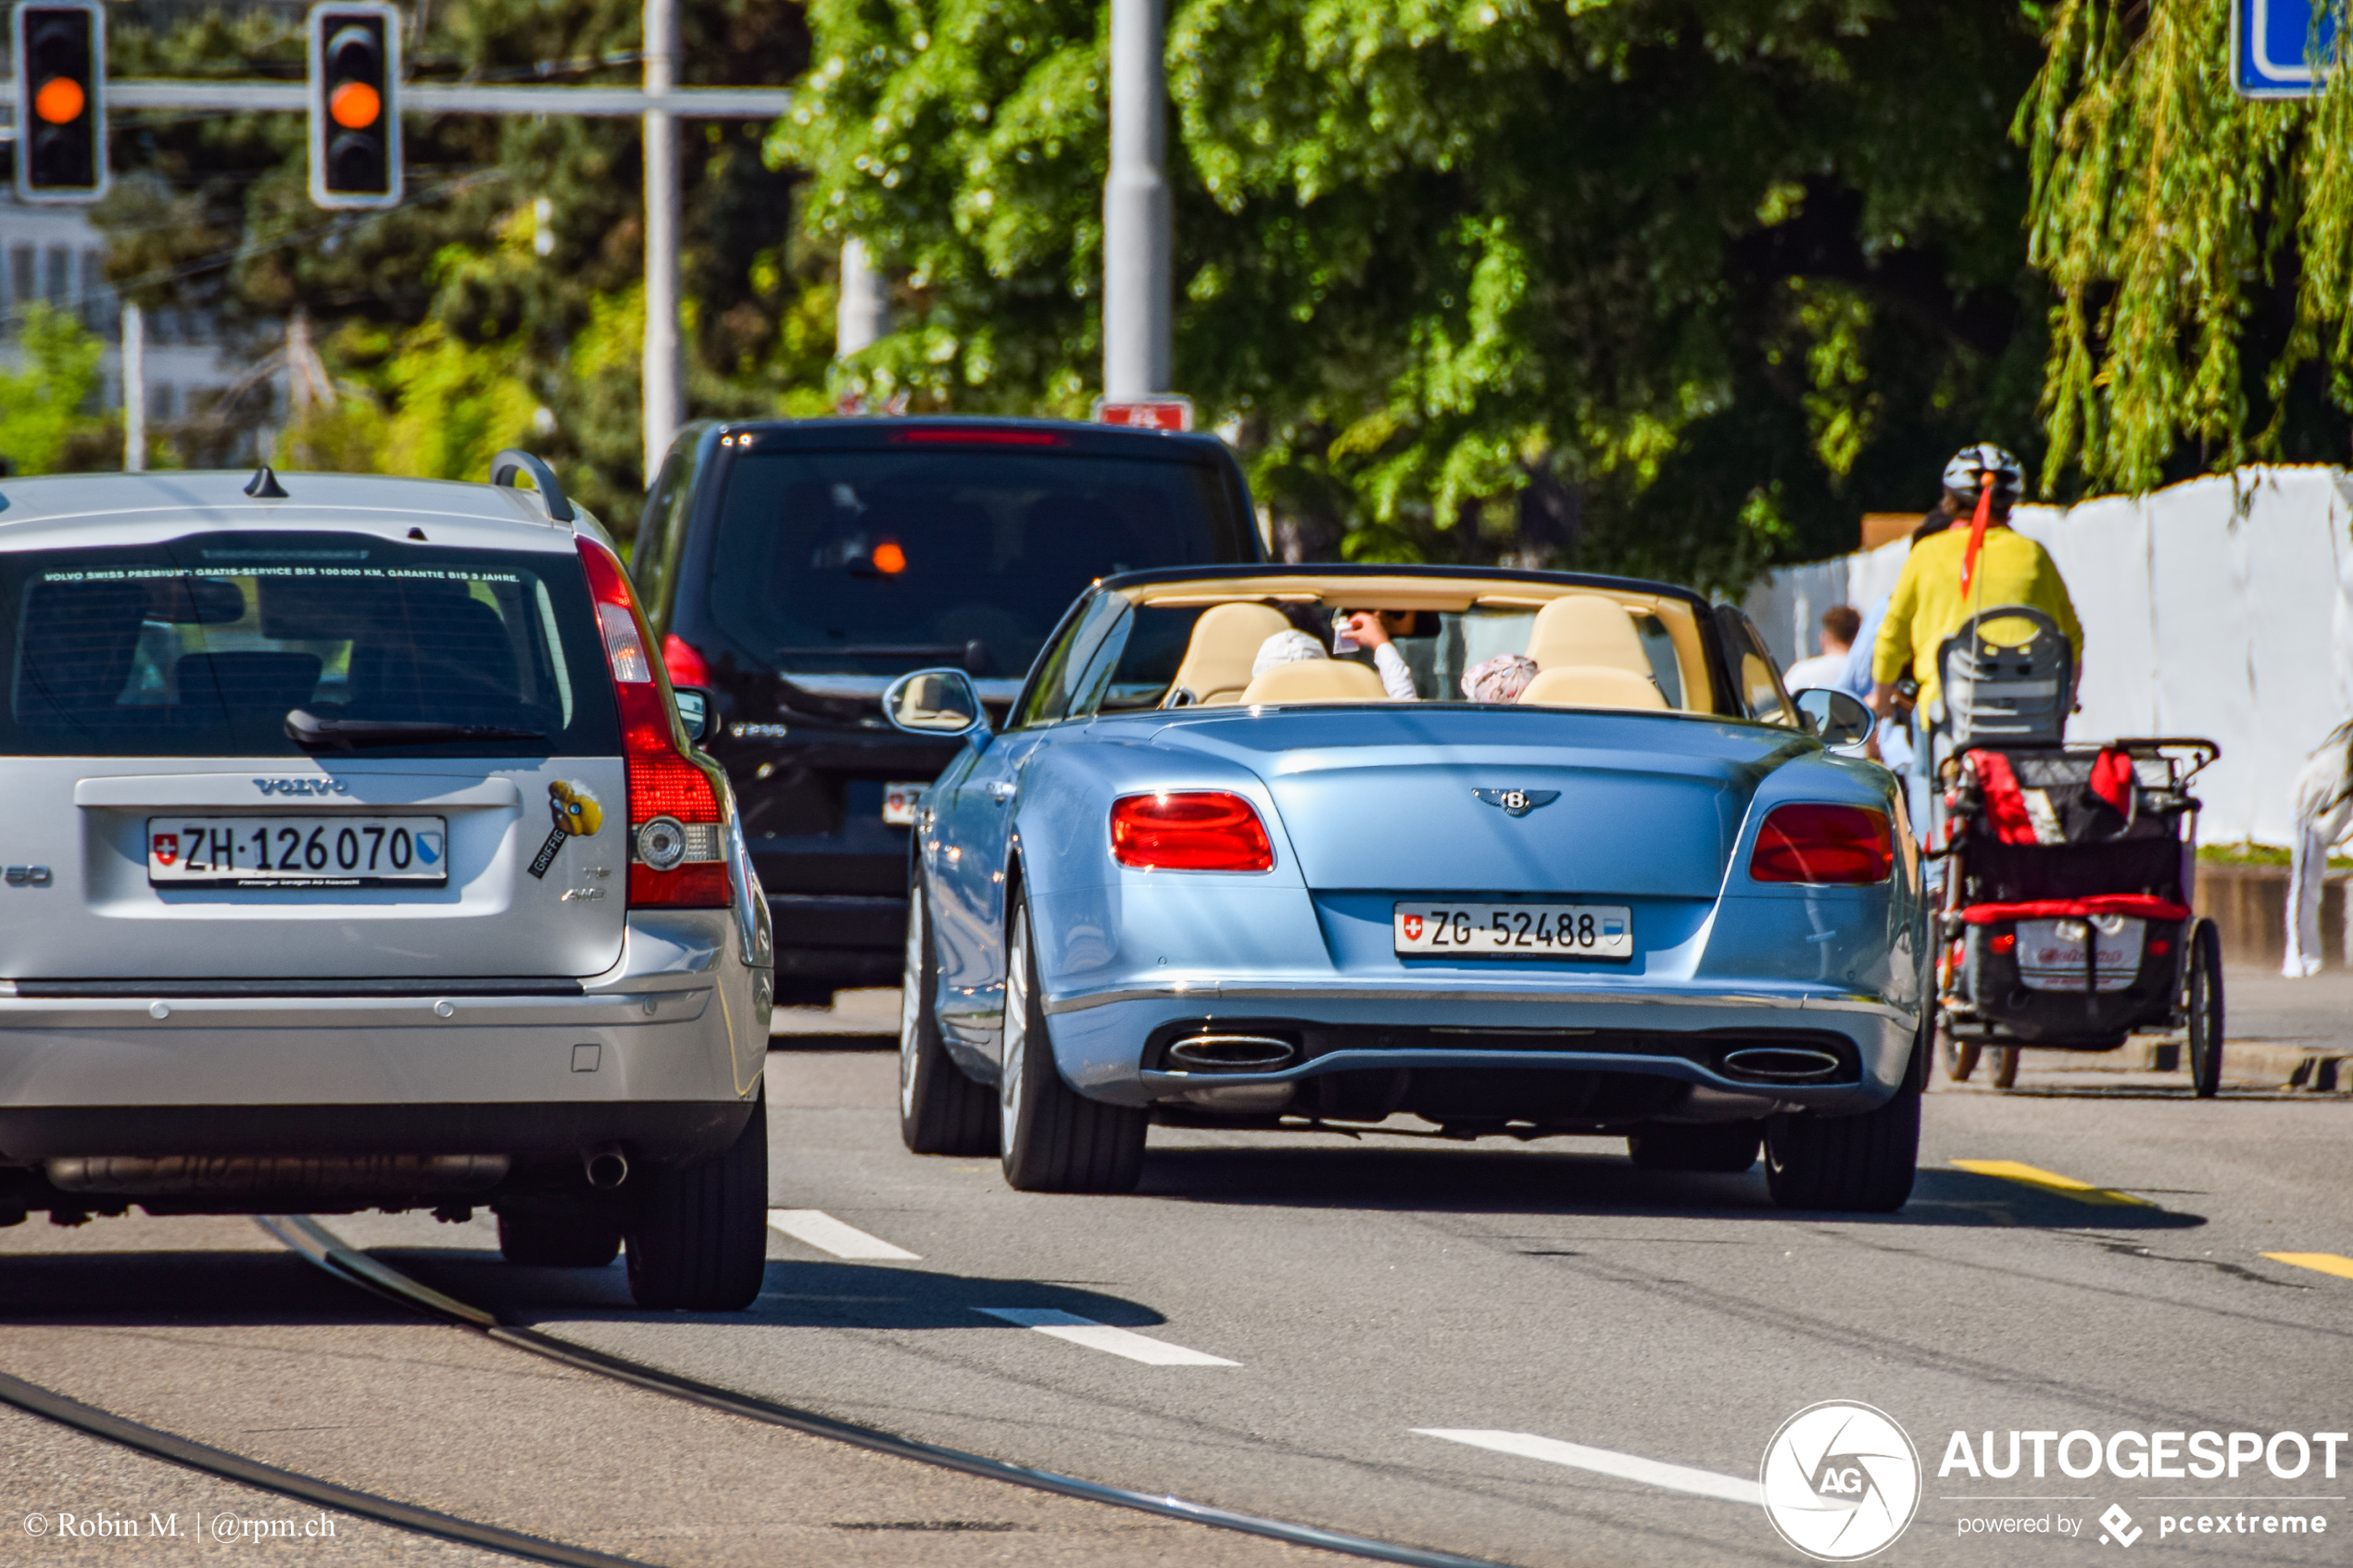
(202, 646)
(880, 562)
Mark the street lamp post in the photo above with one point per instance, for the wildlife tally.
(663, 406)
(1137, 284)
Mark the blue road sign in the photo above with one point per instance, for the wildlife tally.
(2276, 50)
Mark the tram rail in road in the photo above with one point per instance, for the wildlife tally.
(321, 1246)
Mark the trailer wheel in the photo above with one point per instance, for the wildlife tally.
(1959, 1055)
(2202, 1002)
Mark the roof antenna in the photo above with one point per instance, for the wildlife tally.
(264, 485)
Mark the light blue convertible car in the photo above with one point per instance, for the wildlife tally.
(1185, 880)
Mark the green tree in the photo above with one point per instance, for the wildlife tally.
(491, 306)
(44, 407)
(1676, 286)
(2201, 245)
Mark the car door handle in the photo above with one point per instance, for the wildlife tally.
(999, 790)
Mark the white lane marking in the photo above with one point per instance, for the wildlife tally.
(1102, 1336)
(827, 1234)
(1604, 1462)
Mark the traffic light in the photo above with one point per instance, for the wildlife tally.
(355, 103)
(61, 101)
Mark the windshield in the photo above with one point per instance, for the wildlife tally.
(876, 563)
(202, 646)
(1178, 646)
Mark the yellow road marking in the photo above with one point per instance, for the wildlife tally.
(2324, 1262)
(2051, 1182)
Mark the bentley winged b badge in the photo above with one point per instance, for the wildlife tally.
(1518, 802)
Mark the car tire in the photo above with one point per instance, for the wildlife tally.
(2005, 1065)
(2202, 1003)
(1863, 1164)
(1053, 1138)
(557, 1238)
(1727, 1147)
(699, 1242)
(940, 1111)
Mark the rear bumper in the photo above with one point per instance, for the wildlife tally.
(661, 1053)
(1679, 1034)
(526, 1133)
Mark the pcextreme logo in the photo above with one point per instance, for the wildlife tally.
(1841, 1481)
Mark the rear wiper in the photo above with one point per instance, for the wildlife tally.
(311, 733)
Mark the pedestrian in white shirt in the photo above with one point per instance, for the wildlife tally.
(1840, 623)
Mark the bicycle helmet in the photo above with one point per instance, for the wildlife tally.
(1984, 457)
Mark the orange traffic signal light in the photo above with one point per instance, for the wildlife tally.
(354, 112)
(61, 68)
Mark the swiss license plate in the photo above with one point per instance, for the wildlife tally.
(315, 851)
(2051, 953)
(900, 801)
(1529, 930)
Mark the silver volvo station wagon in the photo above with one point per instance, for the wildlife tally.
(355, 855)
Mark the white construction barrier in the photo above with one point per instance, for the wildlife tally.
(2220, 607)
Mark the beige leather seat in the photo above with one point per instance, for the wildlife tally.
(1593, 686)
(1585, 629)
(1226, 640)
(1316, 679)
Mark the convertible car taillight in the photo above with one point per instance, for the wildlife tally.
(677, 846)
(1834, 844)
(1192, 831)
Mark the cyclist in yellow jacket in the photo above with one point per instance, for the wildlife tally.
(1977, 564)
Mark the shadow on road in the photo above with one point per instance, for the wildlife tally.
(796, 1293)
(1528, 1181)
(179, 1289)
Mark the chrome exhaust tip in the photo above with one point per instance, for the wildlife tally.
(1232, 1053)
(1783, 1064)
(606, 1168)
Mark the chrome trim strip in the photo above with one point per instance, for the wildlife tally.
(1213, 991)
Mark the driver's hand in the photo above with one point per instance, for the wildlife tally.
(1365, 627)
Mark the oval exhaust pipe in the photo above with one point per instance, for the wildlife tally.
(607, 1168)
(1232, 1053)
(1783, 1064)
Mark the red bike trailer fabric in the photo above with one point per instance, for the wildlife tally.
(2138, 906)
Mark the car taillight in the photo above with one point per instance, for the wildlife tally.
(685, 666)
(677, 842)
(1833, 844)
(1195, 831)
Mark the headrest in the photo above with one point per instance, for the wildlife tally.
(1316, 679)
(1227, 637)
(1587, 628)
(1593, 686)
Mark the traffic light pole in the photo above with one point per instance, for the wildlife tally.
(659, 104)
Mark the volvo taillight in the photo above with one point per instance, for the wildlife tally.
(1823, 844)
(677, 841)
(1189, 831)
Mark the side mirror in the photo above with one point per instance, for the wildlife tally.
(697, 712)
(942, 703)
(1836, 717)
